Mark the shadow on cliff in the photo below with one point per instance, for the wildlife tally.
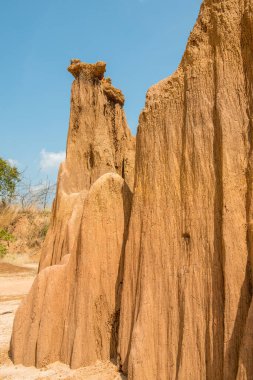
(240, 324)
(119, 283)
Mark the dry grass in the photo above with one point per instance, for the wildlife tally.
(22, 231)
(8, 216)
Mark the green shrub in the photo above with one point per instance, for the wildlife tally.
(3, 250)
(6, 236)
(43, 231)
(9, 178)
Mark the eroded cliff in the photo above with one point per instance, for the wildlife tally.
(99, 142)
(72, 311)
(186, 306)
(187, 282)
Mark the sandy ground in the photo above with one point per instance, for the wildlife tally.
(15, 282)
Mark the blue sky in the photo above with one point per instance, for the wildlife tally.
(142, 42)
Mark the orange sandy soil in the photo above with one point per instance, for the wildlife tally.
(15, 282)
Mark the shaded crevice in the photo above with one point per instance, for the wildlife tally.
(52, 257)
(123, 169)
(114, 128)
(68, 337)
(249, 173)
(181, 318)
(248, 78)
(218, 281)
(119, 282)
(135, 309)
(76, 104)
(184, 227)
(38, 333)
(74, 296)
(91, 158)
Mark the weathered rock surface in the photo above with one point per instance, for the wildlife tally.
(99, 141)
(72, 311)
(187, 280)
(186, 308)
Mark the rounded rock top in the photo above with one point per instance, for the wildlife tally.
(87, 70)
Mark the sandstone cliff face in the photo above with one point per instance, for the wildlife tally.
(186, 307)
(187, 280)
(99, 142)
(72, 311)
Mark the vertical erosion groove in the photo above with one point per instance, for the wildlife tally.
(218, 281)
(119, 281)
(184, 227)
(248, 78)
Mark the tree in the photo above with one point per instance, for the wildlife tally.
(45, 193)
(9, 178)
(31, 195)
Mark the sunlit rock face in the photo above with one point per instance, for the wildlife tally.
(72, 311)
(187, 279)
(99, 142)
(162, 277)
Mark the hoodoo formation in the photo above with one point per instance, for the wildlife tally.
(99, 141)
(72, 311)
(182, 247)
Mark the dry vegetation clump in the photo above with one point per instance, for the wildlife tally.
(8, 215)
(22, 231)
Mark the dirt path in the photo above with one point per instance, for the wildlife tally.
(15, 282)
